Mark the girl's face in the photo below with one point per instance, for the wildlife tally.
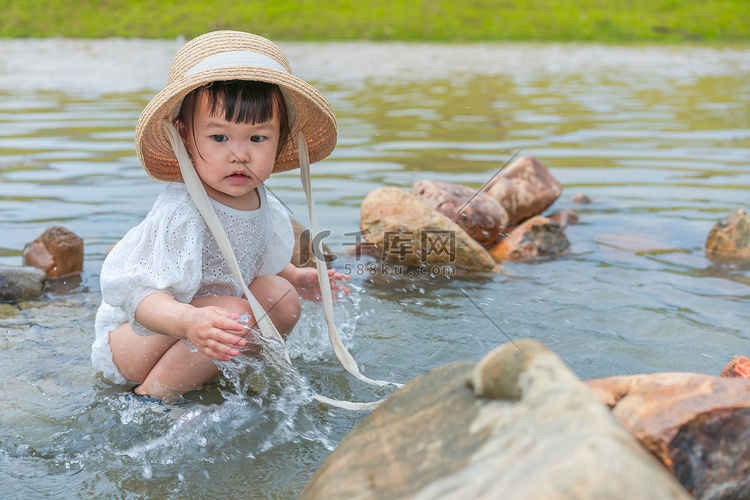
(232, 159)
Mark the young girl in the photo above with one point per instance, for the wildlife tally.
(238, 110)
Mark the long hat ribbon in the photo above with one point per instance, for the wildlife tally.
(268, 329)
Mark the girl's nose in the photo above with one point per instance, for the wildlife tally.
(239, 155)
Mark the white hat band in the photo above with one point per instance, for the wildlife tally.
(244, 58)
(236, 58)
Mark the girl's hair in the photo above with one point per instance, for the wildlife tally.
(242, 102)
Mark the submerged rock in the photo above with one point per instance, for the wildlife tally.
(18, 283)
(525, 188)
(536, 237)
(635, 243)
(582, 199)
(478, 214)
(729, 239)
(58, 251)
(407, 231)
(697, 425)
(517, 425)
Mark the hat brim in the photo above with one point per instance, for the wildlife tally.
(314, 118)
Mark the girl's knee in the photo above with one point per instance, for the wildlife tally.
(279, 299)
(274, 294)
(135, 356)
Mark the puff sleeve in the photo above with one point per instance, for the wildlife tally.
(162, 254)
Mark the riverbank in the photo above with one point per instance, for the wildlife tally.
(437, 20)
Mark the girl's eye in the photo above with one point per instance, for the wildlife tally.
(220, 138)
(257, 138)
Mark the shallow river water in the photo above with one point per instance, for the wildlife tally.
(658, 137)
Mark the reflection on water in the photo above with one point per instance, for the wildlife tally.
(658, 137)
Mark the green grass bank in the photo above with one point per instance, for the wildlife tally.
(417, 20)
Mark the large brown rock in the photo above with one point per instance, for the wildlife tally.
(478, 214)
(536, 237)
(697, 425)
(58, 251)
(524, 189)
(729, 239)
(517, 425)
(407, 231)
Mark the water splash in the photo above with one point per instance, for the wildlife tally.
(266, 401)
(266, 404)
(309, 339)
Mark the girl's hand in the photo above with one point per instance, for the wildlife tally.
(305, 280)
(214, 332)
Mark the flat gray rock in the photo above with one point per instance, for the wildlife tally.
(18, 283)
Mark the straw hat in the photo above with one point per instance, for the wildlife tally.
(233, 55)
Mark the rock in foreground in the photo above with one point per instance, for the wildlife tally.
(697, 425)
(524, 428)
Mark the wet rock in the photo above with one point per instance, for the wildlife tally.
(478, 214)
(517, 425)
(58, 251)
(729, 239)
(565, 218)
(302, 255)
(536, 237)
(407, 231)
(738, 367)
(18, 283)
(697, 425)
(711, 456)
(524, 189)
(64, 284)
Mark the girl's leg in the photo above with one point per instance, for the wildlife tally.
(166, 368)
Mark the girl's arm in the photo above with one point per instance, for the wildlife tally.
(207, 328)
(305, 281)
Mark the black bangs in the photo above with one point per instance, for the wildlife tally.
(244, 102)
(240, 101)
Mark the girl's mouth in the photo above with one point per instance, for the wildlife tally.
(237, 178)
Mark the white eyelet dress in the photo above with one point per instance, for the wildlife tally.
(173, 251)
